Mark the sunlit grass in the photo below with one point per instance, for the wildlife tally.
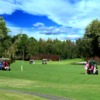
(4, 95)
(57, 78)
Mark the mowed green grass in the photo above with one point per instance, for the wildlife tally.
(59, 78)
(4, 95)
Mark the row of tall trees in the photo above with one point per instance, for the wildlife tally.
(29, 47)
(23, 47)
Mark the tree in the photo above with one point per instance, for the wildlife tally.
(92, 33)
(68, 49)
(32, 48)
(48, 47)
(42, 46)
(6, 45)
(14, 46)
(5, 40)
(84, 48)
(57, 47)
(22, 47)
(3, 29)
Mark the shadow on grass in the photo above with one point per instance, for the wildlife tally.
(82, 73)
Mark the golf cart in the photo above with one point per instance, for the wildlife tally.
(5, 64)
(44, 61)
(32, 61)
(92, 68)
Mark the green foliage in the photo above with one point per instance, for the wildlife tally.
(22, 46)
(42, 46)
(93, 33)
(62, 48)
(93, 29)
(3, 29)
(5, 40)
(32, 48)
(89, 45)
(84, 48)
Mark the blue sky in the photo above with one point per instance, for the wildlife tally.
(62, 19)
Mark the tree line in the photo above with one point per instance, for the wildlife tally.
(23, 47)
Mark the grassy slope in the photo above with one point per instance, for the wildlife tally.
(57, 78)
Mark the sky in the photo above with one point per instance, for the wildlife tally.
(55, 19)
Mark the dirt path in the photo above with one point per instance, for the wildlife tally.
(48, 97)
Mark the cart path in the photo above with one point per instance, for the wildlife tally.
(45, 96)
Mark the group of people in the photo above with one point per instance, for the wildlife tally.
(4, 65)
(91, 67)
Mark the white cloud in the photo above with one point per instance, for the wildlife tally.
(60, 32)
(76, 15)
(62, 12)
(56, 30)
(7, 6)
(38, 24)
(39, 30)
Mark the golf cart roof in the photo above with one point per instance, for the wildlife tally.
(4, 58)
(44, 59)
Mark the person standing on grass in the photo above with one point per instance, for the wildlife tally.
(6, 65)
(86, 67)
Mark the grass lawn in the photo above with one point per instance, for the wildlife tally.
(17, 96)
(55, 78)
